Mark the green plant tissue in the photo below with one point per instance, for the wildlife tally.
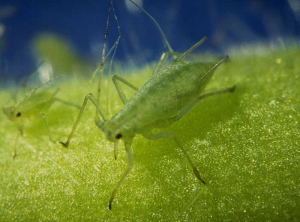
(245, 146)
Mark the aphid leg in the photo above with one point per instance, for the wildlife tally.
(162, 59)
(192, 48)
(14, 155)
(20, 129)
(46, 125)
(66, 103)
(116, 148)
(196, 172)
(170, 51)
(119, 89)
(127, 171)
(177, 56)
(162, 135)
(98, 122)
(194, 102)
(20, 132)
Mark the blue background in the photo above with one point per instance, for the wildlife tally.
(184, 22)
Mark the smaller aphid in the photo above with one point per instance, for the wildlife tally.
(33, 104)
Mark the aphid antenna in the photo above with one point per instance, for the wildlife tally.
(165, 40)
(25, 80)
(23, 84)
(115, 46)
(113, 49)
(32, 91)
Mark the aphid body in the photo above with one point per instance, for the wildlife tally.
(31, 105)
(159, 101)
(34, 104)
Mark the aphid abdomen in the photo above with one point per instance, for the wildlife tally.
(163, 96)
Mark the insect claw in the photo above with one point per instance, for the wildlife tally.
(232, 88)
(64, 144)
(197, 174)
(110, 201)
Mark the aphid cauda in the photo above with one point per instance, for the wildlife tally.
(167, 96)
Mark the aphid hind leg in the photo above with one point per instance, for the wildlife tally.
(116, 79)
(126, 172)
(190, 105)
(177, 56)
(164, 56)
(162, 135)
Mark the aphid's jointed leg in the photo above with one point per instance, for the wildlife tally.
(119, 89)
(177, 56)
(116, 148)
(97, 120)
(127, 171)
(162, 59)
(193, 103)
(14, 155)
(66, 103)
(193, 47)
(170, 135)
(46, 125)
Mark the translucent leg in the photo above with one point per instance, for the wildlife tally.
(193, 103)
(127, 171)
(116, 147)
(15, 149)
(66, 103)
(170, 135)
(97, 120)
(46, 125)
(119, 89)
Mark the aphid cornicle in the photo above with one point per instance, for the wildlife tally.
(167, 96)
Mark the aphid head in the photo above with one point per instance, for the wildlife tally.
(113, 131)
(11, 113)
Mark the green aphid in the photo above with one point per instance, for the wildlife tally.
(166, 97)
(33, 104)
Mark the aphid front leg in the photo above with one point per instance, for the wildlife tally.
(14, 155)
(128, 149)
(119, 89)
(98, 122)
(162, 135)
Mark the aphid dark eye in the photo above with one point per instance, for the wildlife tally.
(118, 136)
(18, 114)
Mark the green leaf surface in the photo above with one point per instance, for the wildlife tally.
(245, 145)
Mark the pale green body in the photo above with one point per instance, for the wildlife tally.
(33, 105)
(157, 103)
